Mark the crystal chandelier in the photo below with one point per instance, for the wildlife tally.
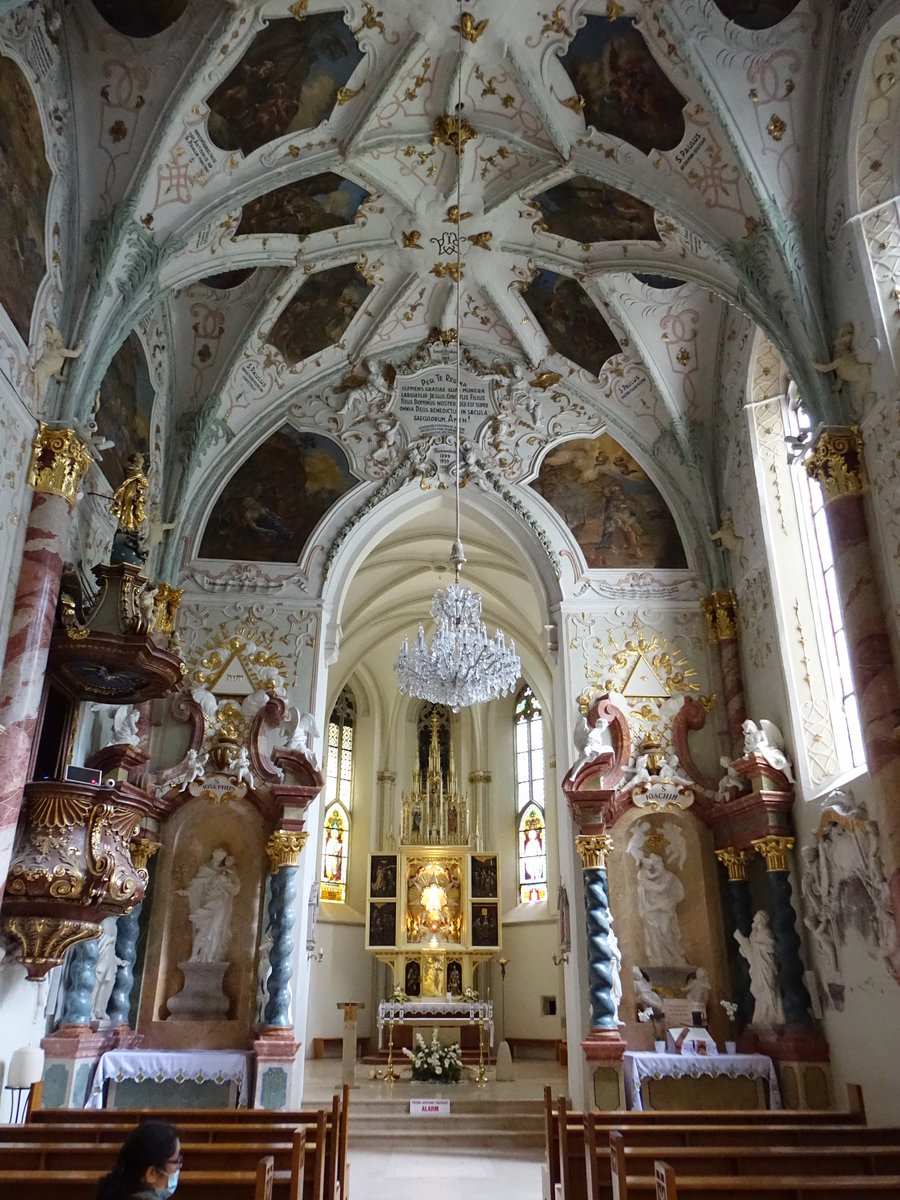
(462, 666)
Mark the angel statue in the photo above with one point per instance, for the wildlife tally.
(765, 740)
(302, 732)
(590, 743)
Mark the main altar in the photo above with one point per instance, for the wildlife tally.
(433, 903)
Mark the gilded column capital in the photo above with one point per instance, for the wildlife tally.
(142, 850)
(735, 863)
(59, 459)
(720, 609)
(284, 848)
(838, 463)
(593, 849)
(774, 850)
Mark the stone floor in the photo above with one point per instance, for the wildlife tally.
(490, 1148)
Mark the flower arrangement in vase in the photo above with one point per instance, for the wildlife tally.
(730, 1012)
(433, 1062)
(659, 1027)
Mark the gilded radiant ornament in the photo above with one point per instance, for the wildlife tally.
(452, 131)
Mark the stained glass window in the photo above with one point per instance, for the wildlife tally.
(338, 788)
(529, 742)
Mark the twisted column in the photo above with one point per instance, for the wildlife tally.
(838, 464)
(593, 850)
(722, 617)
(127, 929)
(80, 982)
(741, 906)
(283, 849)
(783, 923)
(58, 463)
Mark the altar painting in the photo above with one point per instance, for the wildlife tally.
(571, 320)
(382, 923)
(287, 81)
(484, 876)
(125, 409)
(383, 876)
(625, 91)
(614, 511)
(23, 206)
(485, 925)
(306, 206)
(587, 210)
(319, 312)
(274, 500)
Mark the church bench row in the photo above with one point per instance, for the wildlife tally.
(666, 1185)
(298, 1169)
(565, 1132)
(256, 1184)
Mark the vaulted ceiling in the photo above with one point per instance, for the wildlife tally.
(268, 193)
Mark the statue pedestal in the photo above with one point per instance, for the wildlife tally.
(348, 1056)
(202, 995)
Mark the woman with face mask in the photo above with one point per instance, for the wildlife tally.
(148, 1164)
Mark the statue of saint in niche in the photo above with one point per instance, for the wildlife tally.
(210, 896)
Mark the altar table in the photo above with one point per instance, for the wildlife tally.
(436, 1014)
(642, 1068)
(223, 1067)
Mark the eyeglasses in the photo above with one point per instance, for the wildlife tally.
(175, 1162)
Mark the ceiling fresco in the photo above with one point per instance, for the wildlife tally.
(274, 500)
(569, 318)
(625, 91)
(320, 312)
(140, 18)
(276, 191)
(23, 205)
(587, 210)
(288, 80)
(307, 206)
(613, 509)
(756, 14)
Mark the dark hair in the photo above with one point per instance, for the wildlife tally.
(150, 1144)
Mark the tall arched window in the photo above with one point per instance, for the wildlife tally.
(531, 828)
(338, 785)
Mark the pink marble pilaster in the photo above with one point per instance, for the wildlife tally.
(34, 609)
(733, 686)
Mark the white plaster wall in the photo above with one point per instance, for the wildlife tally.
(16, 432)
(23, 1007)
(346, 972)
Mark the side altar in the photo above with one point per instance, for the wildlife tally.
(433, 908)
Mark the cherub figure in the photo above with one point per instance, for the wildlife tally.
(50, 364)
(845, 363)
(765, 740)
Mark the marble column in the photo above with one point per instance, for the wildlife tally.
(58, 463)
(741, 905)
(80, 979)
(127, 927)
(593, 850)
(721, 615)
(284, 849)
(783, 921)
(837, 463)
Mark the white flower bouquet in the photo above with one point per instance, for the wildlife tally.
(470, 996)
(433, 1062)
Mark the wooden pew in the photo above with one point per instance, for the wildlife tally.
(192, 1185)
(760, 1187)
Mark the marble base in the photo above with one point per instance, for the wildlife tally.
(278, 1070)
(202, 995)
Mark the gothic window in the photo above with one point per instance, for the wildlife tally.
(338, 785)
(824, 593)
(532, 832)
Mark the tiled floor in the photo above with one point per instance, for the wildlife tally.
(384, 1175)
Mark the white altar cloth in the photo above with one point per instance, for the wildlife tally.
(640, 1065)
(437, 1012)
(223, 1066)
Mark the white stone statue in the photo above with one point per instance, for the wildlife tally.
(644, 993)
(195, 767)
(125, 726)
(105, 969)
(52, 359)
(846, 364)
(210, 896)
(239, 765)
(302, 731)
(765, 739)
(639, 772)
(615, 966)
(697, 990)
(730, 781)
(759, 951)
(660, 891)
(673, 771)
(589, 742)
(262, 975)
